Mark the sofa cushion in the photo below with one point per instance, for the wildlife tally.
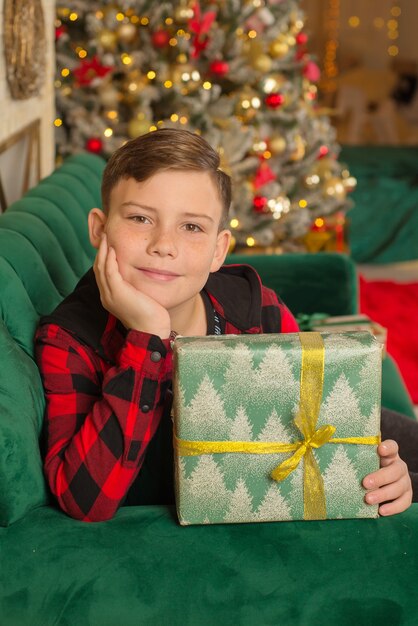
(143, 568)
(308, 283)
(21, 413)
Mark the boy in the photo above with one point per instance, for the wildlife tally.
(105, 353)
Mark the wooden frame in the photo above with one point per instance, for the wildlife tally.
(31, 132)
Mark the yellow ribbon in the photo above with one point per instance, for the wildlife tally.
(312, 380)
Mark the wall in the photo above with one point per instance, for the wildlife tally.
(16, 114)
(365, 42)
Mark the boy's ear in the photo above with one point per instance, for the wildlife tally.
(96, 221)
(222, 247)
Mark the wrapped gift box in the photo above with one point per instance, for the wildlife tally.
(343, 323)
(275, 427)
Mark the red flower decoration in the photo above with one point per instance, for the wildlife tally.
(263, 175)
(200, 25)
(274, 100)
(88, 70)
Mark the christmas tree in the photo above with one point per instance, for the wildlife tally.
(238, 72)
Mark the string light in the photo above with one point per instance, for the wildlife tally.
(332, 27)
(393, 28)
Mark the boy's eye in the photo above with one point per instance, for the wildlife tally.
(193, 228)
(141, 219)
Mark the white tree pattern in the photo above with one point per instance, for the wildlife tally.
(204, 494)
(275, 430)
(241, 429)
(275, 381)
(274, 506)
(205, 418)
(341, 409)
(241, 504)
(343, 491)
(239, 375)
(368, 386)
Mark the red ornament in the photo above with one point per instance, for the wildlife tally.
(274, 100)
(260, 204)
(323, 151)
(59, 31)
(88, 71)
(301, 39)
(312, 72)
(161, 38)
(219, 68)
(94, 144)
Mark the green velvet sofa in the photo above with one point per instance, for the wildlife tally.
(142, 568)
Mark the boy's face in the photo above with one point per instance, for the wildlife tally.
(165, 234)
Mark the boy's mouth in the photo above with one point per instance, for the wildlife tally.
(158, 274)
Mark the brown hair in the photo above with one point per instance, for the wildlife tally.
(166, 149)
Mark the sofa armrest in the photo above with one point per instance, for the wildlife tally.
(308, 283)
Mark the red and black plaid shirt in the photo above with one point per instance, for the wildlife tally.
(106, 388)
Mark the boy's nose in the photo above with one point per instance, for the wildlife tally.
(162, 243)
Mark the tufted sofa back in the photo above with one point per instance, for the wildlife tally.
(44, 250)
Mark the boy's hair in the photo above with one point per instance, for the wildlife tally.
(162, 150)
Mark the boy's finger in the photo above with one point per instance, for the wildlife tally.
(101, 254)
(397, 506)
(389, 492)
(388, 448)
(385, 475)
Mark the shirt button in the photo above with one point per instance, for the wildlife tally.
(145, 408)
(155, 357)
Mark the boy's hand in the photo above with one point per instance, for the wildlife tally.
(391, 483)
(132, 307)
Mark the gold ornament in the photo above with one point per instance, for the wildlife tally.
(300, 149)
(244, 108)
(324, 168)
(262, 63)
(138, 126)
(277, 145)
(127, 32)
(334, 188)
(279, 49)
(108, 39)
(109, 96)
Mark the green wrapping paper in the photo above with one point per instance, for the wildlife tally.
(243, 451)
